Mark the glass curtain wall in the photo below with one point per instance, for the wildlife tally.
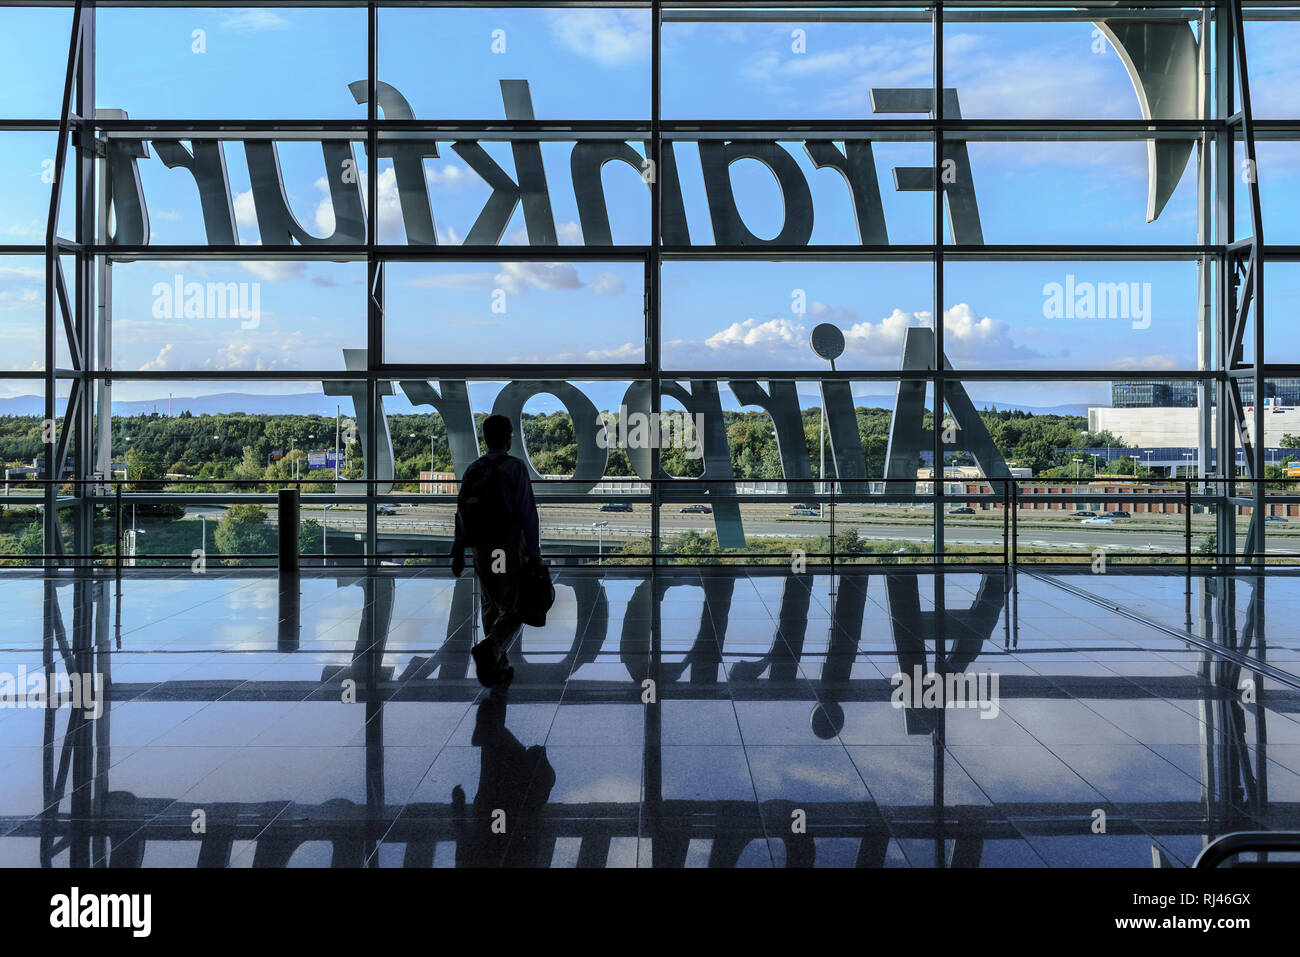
(745, 278)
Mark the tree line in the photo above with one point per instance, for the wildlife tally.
(273, 448)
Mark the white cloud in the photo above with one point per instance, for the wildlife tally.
(224, 347)
(840, 315)
(627, 352)
(274, 270)
(965, 333)
(459, 280)
(452, 177)
(250, 20)
(245, 210)
(159, 362)
(391, 227)
(33, 229)
(324, 209)
(757, 333)
(607, 284)
(569, 233)
(609, 37)
(1152, 362)
(187, 269)
(1057, 78)
(515, 277)
(883, 338)
(11, 299)
(448, 236)
(844, 76)
(967, 336)
(995, 74)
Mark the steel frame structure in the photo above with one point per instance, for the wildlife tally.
(1232, 266)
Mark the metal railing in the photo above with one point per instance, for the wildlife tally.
(833, 528)
(1251, 842)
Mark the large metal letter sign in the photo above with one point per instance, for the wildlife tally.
(356, 390)
(906, 434)
(1160, 56)
(959, 192)
(1161, 61)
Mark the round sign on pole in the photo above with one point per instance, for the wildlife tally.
(827, 341)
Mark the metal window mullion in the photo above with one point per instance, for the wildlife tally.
(1205, 263)
(1225, 525)
(52, 540)
(87, 209)
(936, 487)
(653, 301)
(374, 285)
(1255, 276)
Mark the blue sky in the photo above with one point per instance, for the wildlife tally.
(594, 64)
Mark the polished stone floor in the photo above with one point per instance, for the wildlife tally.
(696, 717)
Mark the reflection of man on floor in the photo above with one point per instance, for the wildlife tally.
(513, 786)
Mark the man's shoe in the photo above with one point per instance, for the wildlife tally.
(485, 666)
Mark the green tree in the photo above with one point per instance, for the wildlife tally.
(311, 537)
(243, 530)
(32, 540)
(250, 466)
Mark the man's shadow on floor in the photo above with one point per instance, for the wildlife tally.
(502, 827)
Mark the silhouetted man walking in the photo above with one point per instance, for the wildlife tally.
(496, 516)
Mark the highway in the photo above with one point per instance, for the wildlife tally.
(1036, 529)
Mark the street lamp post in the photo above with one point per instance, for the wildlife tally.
(600, 541)
(337, 409)
(433, 438)
(433, 454)
(821, 461)
(1076, 470)
(827, 341)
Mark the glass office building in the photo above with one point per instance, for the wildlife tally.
(1183, 395)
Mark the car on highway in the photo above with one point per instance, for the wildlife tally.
(1117, 513)
(616, 507)
(805, 512)
(964, 510)
(385, 510)
(1276, 518)
(805, 506)
(1099, 520)
(1084, 513)
(699, 509)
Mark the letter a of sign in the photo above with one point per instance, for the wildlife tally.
(906, 433)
